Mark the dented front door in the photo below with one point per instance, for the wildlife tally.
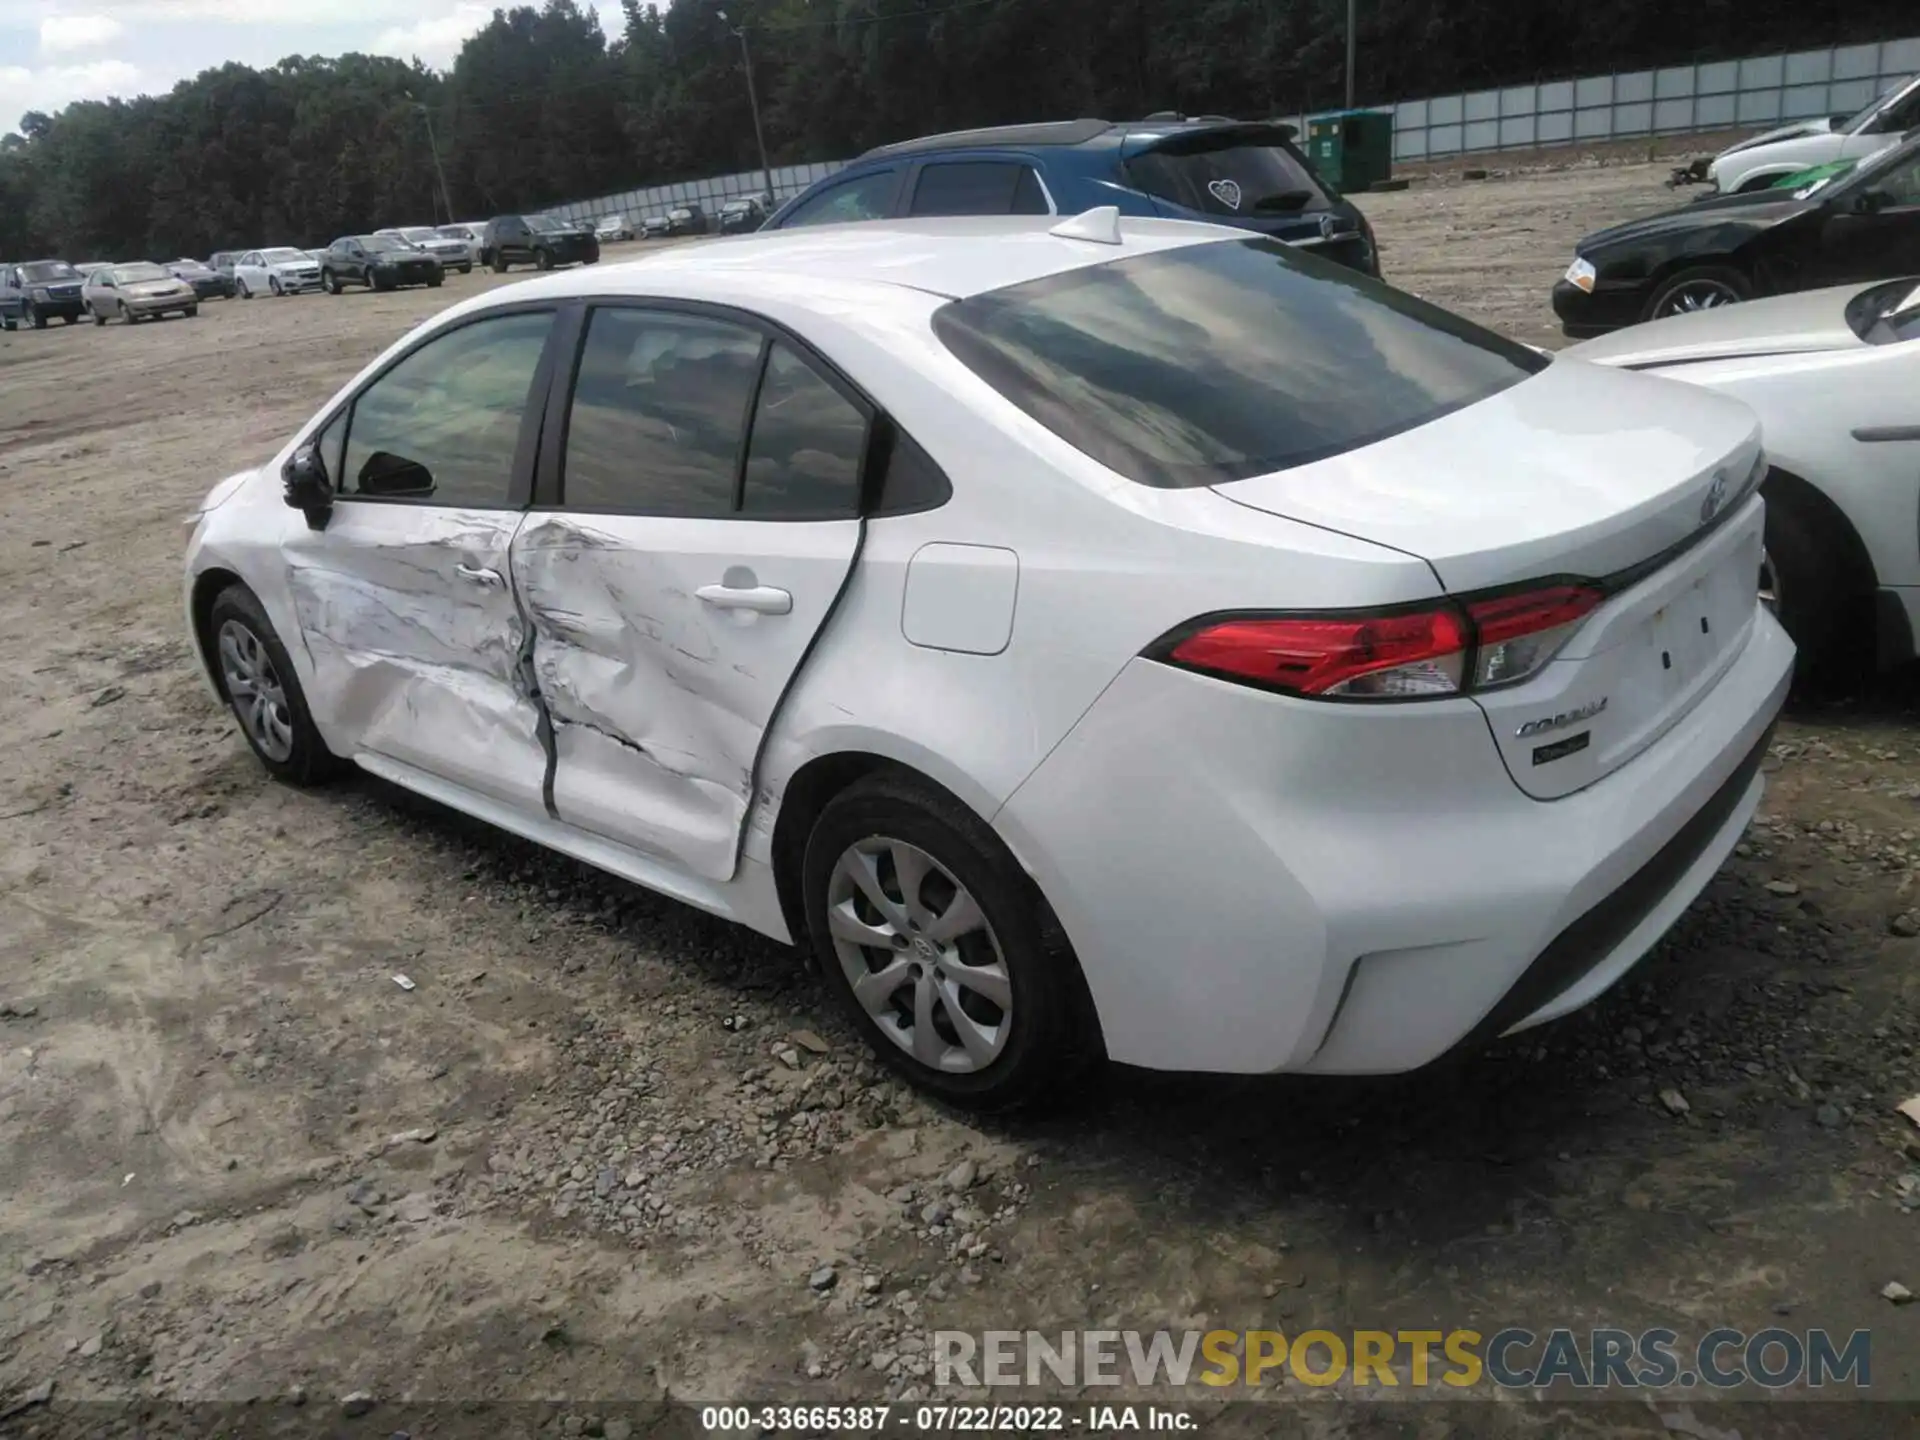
(406, 598)
(706, 526)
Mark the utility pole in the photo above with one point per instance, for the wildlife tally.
(433, 144)
(1353, 45)
(753, 101)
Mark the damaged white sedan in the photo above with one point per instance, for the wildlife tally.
(1091, 638)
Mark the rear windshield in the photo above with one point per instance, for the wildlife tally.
(41, 271)
(1219, 361)
(1237, 172)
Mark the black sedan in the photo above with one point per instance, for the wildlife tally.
(1859, 227)
(207, 283)
(377, 262)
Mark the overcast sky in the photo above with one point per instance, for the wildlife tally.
(56, 51)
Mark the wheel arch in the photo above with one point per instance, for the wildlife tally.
(1808, 499)
(207, 587)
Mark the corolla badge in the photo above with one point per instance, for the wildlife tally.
(1227, 192)
(1562, 720)
(1716, 497)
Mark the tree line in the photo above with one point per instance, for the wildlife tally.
(541, 107)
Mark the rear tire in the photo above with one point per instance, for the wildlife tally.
(1819, 593)
(1026, 1044)
(542, 260)
(1699, 287)
(273, 284)
(262, 689)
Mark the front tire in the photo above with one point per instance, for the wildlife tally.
(329, 282)
(191, 311)
(1700, 287)
(940, 949)
(262, 689)
(273, 284)
(99, 318)
(499, 264)
(434, 282)
(34, 317)
(246, 293)
(542, 260)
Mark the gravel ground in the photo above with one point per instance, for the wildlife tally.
(608, 1152)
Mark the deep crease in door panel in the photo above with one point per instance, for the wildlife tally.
(361, 628)
(602, 636)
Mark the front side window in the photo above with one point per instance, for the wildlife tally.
(803, 460)
(865, 197)
(441, 427)
(1235, 172)
(978, 187)
(659, 413)
(1224, 360)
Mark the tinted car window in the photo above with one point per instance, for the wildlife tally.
(659, 412)
(1219, 361)
(808, 440)
(441, 427)
(39, 272)
(978, 187)
(865, 197)
(1231, 173)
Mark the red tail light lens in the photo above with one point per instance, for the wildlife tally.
(1397, 655)
(1370, 656)
(1516, 634)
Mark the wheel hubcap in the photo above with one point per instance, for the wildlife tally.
(255, 692)
(1701, 295)
(922, 960)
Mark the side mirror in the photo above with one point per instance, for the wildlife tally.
(394, 476)
(1871, 203)
(304, 478)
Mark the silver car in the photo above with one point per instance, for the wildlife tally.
(137, 291)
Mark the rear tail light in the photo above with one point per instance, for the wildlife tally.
(1475, 643)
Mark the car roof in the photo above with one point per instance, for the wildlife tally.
(943, 257)
(1065, 133)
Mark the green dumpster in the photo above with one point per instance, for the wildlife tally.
(1352, 148)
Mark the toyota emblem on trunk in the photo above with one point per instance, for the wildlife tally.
(1716, 494)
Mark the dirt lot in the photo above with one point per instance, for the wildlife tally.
(238, 1163)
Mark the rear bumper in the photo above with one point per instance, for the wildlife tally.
(1254, 883)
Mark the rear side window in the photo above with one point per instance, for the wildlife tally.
(865, 197)
(978, 187)
(1219, 361)
(1236, 172)
(659, 413)
(803, 461)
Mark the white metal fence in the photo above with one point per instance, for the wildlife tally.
(1756, 93)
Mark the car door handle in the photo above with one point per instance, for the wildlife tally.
(1886, 434)
(761, 599)
(479, 575)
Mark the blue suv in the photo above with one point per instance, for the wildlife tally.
(1229, 172)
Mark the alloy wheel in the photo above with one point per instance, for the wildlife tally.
(920, 956)
(1699, 295)
(254, 690)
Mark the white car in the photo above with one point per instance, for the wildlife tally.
(279, 271)
(1835, 377)
(1130, 638)
(453, 252)
(1755, 164)
(613, 227)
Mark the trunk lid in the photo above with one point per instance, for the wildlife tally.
(1580, 472)
(1812, 321)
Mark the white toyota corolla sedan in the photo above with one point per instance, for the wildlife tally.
(1100, 637)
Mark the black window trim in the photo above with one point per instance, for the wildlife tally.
(549, 492)
(521, 480)
(903, 205)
